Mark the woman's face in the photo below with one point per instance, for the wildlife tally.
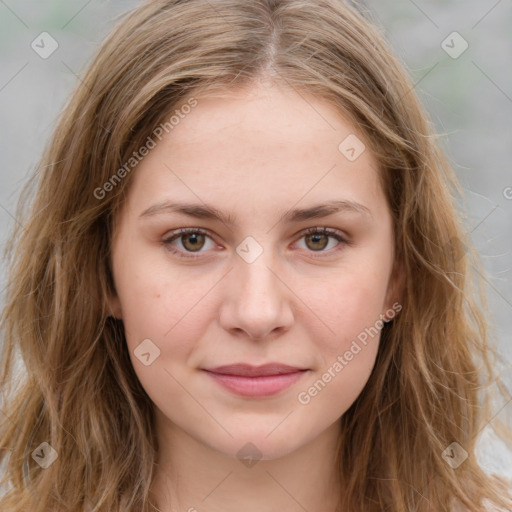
(255, 287)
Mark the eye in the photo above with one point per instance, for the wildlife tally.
(317, 239)
(191, 240)
(187, 241)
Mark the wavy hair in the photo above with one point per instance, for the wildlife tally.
(436, 371)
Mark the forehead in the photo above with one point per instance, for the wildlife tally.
(250, 147)
(270, 114)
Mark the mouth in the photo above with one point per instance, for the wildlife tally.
(252, 381)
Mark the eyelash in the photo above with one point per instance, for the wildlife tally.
(315, 230)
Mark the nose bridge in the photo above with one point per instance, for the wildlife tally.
(257, 281)
(257, 302)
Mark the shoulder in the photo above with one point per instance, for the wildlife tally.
(488, 507)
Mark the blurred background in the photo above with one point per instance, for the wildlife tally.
(459, 53)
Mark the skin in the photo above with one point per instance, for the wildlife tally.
(255, 153)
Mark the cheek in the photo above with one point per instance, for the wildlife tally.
(160, 308)
(347, 355)
(147, 288)
(351, 306)
(171, 308)
(347, 305)
(170, 314)
(332, 391)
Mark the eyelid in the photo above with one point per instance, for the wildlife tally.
(176, 234)
(342, 239)
(336, 233)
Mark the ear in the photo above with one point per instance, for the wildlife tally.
(395, 287)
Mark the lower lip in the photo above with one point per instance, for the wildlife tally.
(256, 386)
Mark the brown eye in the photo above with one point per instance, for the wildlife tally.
(323, 240)
(193, 241)
(318, 241)
(187, 241)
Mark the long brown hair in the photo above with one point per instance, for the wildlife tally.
(77, 391)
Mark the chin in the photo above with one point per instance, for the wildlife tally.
(258, 444)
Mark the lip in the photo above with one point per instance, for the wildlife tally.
(248, 370)
(253, 381)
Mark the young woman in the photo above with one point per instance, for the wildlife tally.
(242, 282)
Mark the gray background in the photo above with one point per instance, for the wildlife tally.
(469, 99)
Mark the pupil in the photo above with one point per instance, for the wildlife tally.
(192, 239)
(315, 239)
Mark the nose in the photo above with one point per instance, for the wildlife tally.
(257, 303)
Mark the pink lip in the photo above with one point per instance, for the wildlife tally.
(247, 380)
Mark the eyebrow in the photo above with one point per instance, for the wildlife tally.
(203, 211)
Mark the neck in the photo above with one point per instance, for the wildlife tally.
(193, 477)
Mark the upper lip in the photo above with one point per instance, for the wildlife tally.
(247, 370)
